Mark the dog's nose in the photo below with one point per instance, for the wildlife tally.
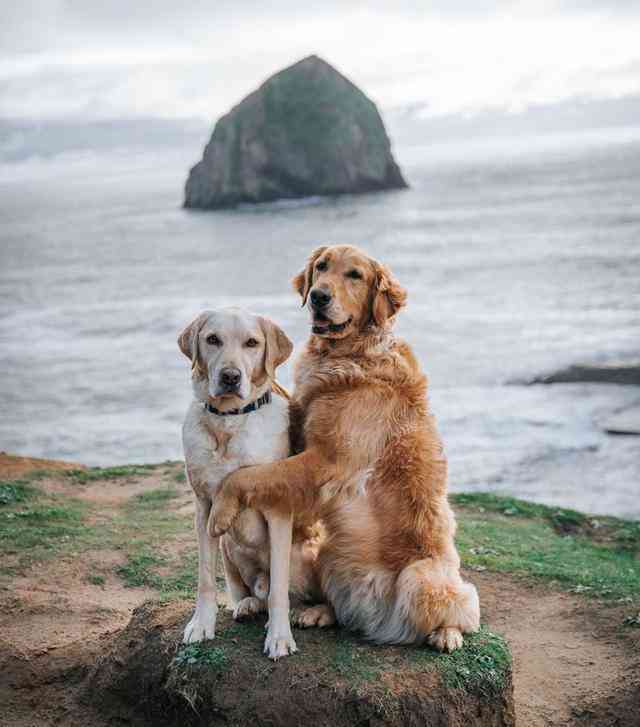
(230, 378)
(320, 298)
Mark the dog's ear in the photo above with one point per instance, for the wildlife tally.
(303, 280)
(188, 339)
(277, 346)
(388, 295)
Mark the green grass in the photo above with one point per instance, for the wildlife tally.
(139, 570)
(37, 526)
(520, 508)
(202, 655)
(46, 525)
(594, 556)
(95, 579)
(481, 665)
(153, 498)
(108, 473)
(354, 660)
(13, 491)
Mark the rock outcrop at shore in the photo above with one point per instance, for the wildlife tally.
(306, 131)
(610, 373)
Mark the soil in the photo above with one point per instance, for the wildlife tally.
(13, 467)
(574, 662)
(335, 680)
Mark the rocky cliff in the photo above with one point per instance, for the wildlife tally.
(306, 131)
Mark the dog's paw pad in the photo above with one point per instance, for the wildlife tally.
(247, 608)
(320, 616)
(446, 639)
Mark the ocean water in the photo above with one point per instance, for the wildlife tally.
(519, 257)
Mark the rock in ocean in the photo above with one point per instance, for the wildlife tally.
(306, 131)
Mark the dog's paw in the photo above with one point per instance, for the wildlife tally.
(320, 616)
(446, 639)
(225, 510)
(201, 627)
(279, 643)
(248, 607)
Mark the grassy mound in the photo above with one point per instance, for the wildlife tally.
(335, 679)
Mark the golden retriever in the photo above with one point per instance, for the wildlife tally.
(370, 463)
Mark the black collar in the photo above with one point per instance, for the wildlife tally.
(254, 406)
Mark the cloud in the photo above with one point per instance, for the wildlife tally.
(78, 59)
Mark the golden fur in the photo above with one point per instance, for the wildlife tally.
(370, 464)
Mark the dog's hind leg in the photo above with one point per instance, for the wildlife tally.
(243, 603)
(321, 616)
(435, 603)
(203, 622)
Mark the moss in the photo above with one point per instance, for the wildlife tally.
(201, 655)
(482, 665)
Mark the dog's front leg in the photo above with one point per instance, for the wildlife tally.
(279, 641)
(203, 622)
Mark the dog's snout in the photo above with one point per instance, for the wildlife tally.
(230, 378)
(320, 298)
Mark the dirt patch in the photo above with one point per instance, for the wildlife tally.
(13, 467)
(53, 606)
(334, 680)
(571, 657)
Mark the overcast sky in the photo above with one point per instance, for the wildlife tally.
(106, 59)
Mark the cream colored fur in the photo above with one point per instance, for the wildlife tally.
(214, 445)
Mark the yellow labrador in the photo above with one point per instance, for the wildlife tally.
(233, 421)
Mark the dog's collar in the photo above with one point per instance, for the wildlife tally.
(254, 406)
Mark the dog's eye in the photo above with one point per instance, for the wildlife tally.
(322, 266)
(251, 343)
(354, 274)
(213, 340)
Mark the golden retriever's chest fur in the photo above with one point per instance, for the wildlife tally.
(369, 415)
(350, 406)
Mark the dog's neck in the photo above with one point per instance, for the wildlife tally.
(220, 416)
(370, 340)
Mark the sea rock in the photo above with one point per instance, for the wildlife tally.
(305, 131)
(624, 422)
(610, 373)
